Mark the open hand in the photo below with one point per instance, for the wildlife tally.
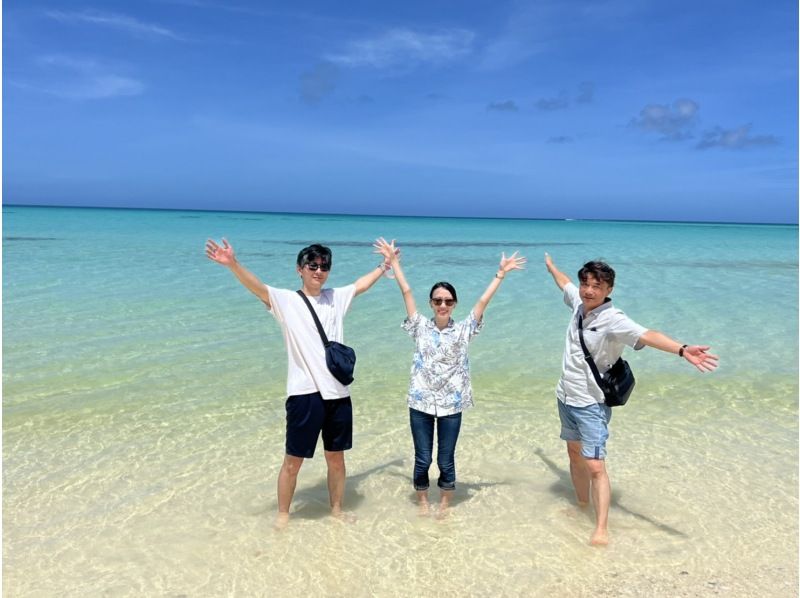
(697, 356)
(513, 262)
(386, 249)
(222, 255)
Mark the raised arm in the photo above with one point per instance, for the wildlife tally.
(507, 264)
(225, 256)
(365, 283)
(694, 354)
(560, 278)
(392, 255)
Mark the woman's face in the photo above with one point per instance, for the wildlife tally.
(439, 303)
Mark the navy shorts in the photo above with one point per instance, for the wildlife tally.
(308, 415)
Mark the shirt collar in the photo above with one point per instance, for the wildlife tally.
(599, 309)
(432, 324)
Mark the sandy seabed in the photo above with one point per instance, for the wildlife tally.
(136, 502)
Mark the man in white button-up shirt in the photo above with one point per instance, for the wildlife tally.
(581, 403)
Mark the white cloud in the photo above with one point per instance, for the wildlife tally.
(738, 138)
(403, 48)
(535, 28)
(673, 122)
(118, 21)
(509, 50)
(81, 79)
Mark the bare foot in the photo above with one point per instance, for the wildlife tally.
(281, 521)
(343, 516)
(599, 538)
(444, 504)
(424, 509)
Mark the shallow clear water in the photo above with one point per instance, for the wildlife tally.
(143, 413)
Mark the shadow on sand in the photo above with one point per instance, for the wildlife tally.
(463, 493)
(314, 502)
(563, 488)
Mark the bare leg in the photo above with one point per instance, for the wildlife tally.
(337, 475)
(424, 505)
(287, 481)
(579, 473)
(601, 497)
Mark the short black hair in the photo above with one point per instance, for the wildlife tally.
(444, 285)
(599, 269)
(314, 252)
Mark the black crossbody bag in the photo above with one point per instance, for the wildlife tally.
(617, 383)
(340, 359)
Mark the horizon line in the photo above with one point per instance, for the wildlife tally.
(353, 215)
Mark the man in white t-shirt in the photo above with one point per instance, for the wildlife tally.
(317, 402)
(581, 404)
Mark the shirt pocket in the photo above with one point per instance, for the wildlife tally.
(594, 340)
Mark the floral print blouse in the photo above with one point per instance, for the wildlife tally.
(440, 383)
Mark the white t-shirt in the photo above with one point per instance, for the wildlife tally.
(308, 371)
(606, 331)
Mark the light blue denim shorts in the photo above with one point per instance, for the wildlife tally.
(589, 425)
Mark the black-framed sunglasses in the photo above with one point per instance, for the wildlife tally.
(314, 267)
(448, 302)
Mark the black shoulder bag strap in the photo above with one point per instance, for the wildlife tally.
(586, 354)
(316, 319)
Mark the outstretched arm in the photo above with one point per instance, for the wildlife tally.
(694, 354)
(561, 279)
(392, 255)
(365, 283)
(507, 264)
(225, 256)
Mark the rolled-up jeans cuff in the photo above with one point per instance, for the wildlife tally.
(446, 486)
(420, 488)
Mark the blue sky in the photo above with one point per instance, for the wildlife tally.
(557, 109)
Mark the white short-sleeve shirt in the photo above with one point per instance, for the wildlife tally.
(606, 331)
(307, 371)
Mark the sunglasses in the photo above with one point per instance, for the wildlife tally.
(447, 302)
(314, 267)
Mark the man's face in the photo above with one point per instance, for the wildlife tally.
(593, 293)
(314, 274)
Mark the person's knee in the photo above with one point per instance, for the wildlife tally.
(335, 460)
(596, 467)
(423, 455)
(445, 460)
(291, 465)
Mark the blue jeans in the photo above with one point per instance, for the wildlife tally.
(447, 429)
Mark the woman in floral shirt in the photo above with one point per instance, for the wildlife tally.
(440, 387)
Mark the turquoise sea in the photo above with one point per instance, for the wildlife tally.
(143, 419)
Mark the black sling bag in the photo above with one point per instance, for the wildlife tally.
(617, 383)
(340, 359)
